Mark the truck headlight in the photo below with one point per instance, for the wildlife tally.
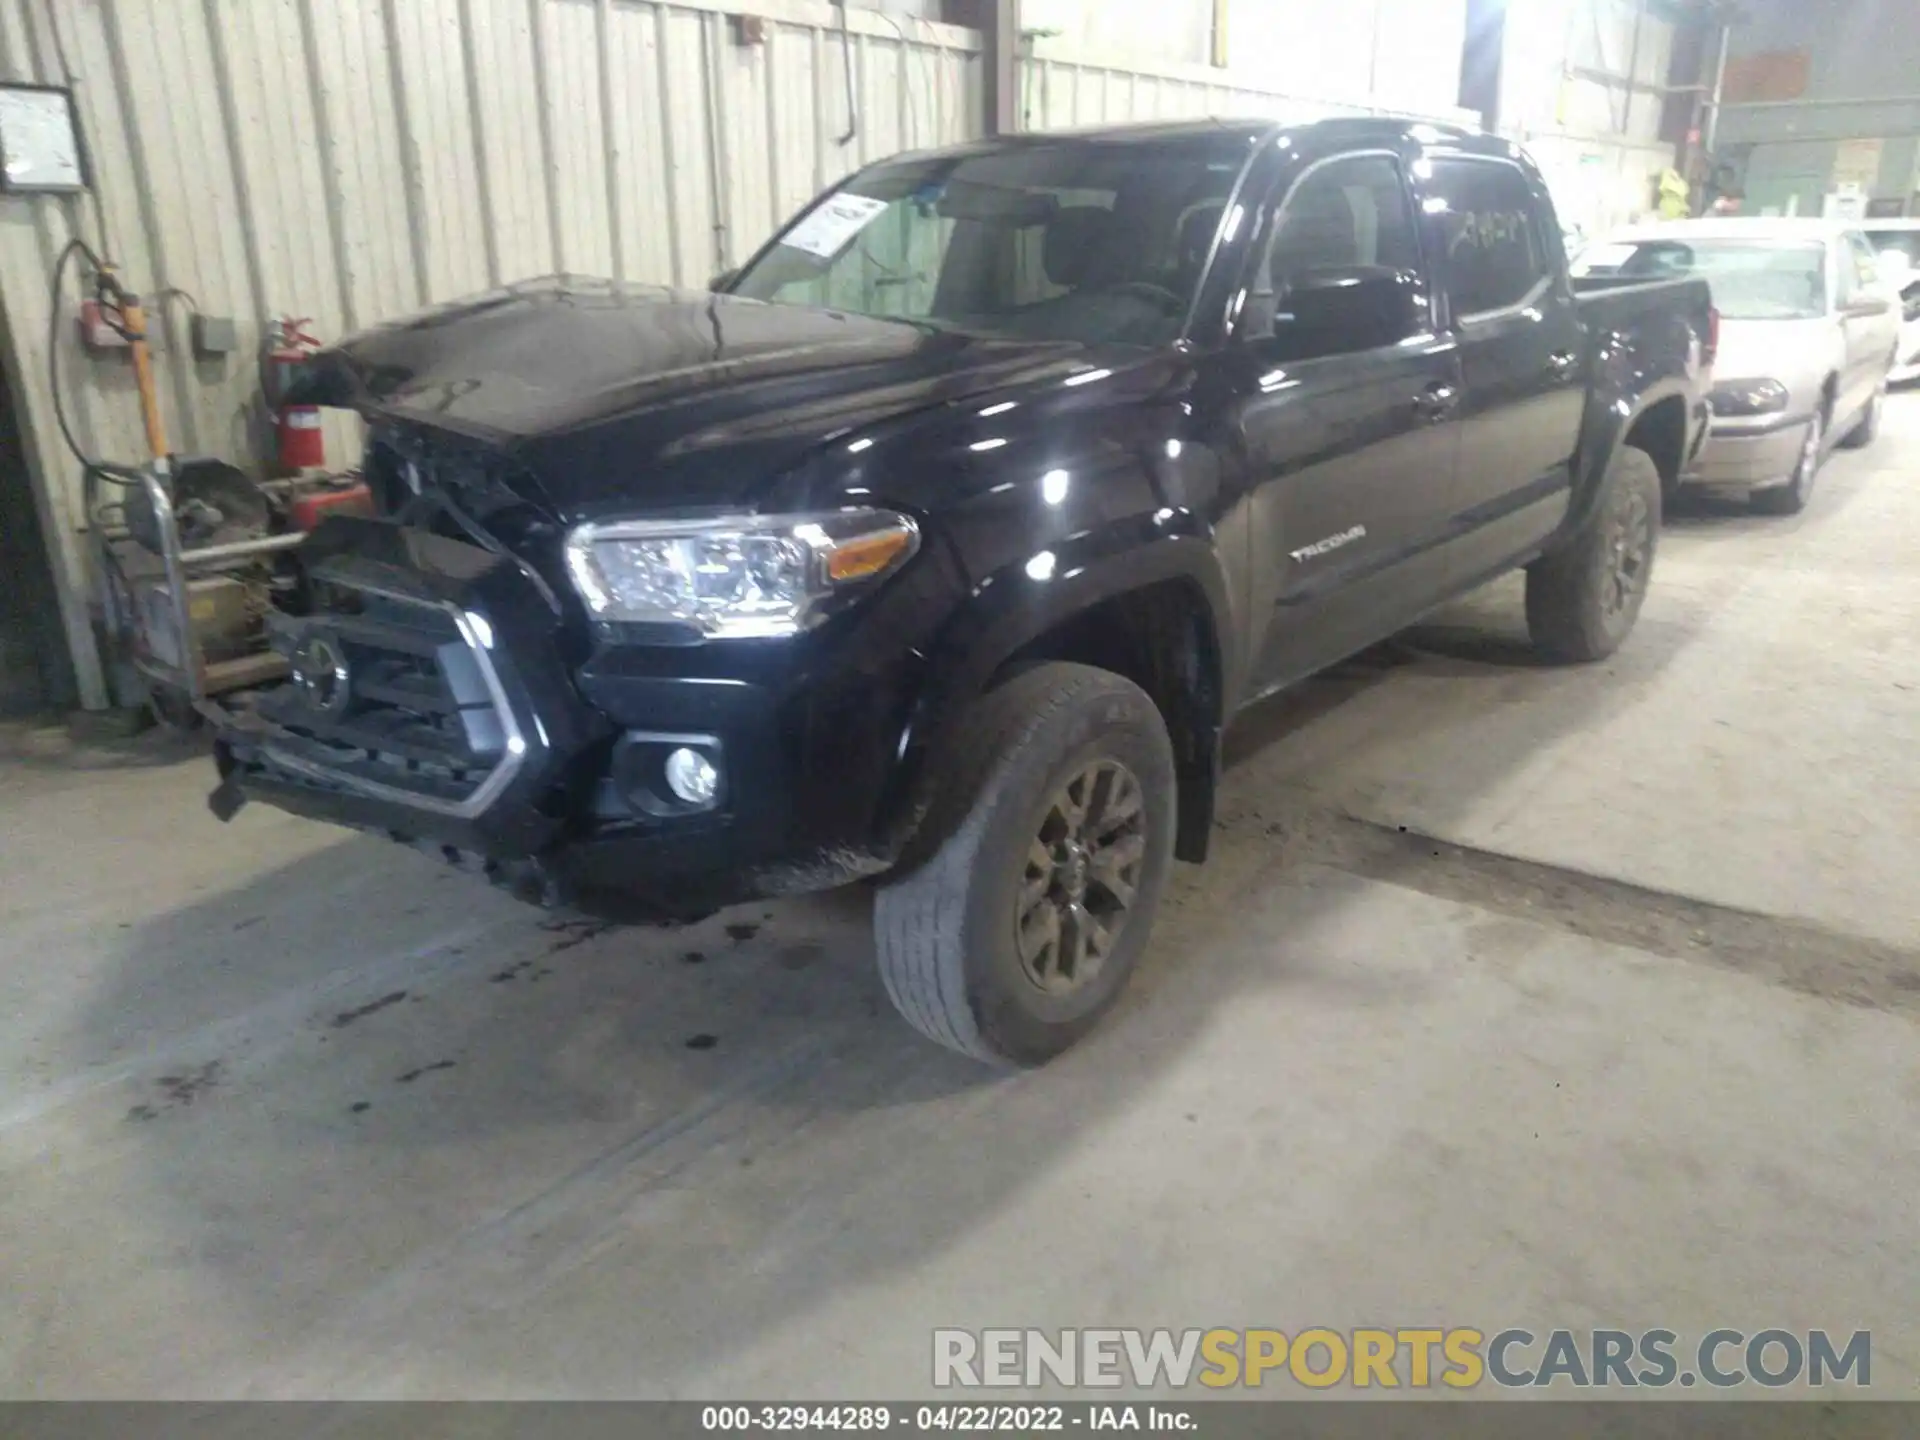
(1748, 397)
(734, 575)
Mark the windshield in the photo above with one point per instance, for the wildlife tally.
(1751, 280)
(1074, 240)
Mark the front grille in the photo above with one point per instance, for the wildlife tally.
(418, 715)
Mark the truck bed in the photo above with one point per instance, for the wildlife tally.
(1604, 299)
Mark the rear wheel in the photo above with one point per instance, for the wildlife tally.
(1791, 498)
(1020, 931)
(1582, 601)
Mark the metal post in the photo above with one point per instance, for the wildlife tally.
(1373, 53)
(1633, 70)
(998, 22)
(1719, 84)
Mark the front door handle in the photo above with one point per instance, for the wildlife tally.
(1436, 402)
(1561, 362)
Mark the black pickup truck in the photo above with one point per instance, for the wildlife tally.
(939, 544)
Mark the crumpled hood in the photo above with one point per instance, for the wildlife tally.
(609, 393)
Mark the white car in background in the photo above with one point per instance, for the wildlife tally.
(1809, 330)
(1898, 245)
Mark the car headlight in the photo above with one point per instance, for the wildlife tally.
(735, 575)
(1748, 397)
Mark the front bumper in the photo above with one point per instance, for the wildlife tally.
(1749, 458)
(543, 785)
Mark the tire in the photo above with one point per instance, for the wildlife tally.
(1868, 430)
(174, 712)
(948, 930)
(1582, 601)
(1791, 498)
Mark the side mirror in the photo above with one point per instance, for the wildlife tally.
(723, 282)
(1340, 310)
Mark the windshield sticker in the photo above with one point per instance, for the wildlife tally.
(832, 224)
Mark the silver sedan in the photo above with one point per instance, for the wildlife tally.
(1808, 331)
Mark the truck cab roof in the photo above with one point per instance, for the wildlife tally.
(1358, 130)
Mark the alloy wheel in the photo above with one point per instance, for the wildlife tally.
(1629, 549)
(1083, 871)
(1810, 455)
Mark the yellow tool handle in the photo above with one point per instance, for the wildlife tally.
(134, 320)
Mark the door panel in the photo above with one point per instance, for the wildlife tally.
(1522, 357)
(1357, 456)
(1522, 402)
(1345, 416)
(1871, 331)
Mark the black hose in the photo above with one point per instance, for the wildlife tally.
(75, 246)
(123, 475)
(846, 64)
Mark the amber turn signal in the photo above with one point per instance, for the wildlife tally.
(865, 556)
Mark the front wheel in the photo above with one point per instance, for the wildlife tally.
(1791, 498)
(1868, 430)
(1582, 601)
(1019, 932)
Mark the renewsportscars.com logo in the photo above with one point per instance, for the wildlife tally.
(1459, 1358)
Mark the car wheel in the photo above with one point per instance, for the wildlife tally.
(1012, 939)
(1791, 498)
(1582, 601)
(1864, 434)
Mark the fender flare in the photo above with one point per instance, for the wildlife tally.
(1605, 444)
(1026, 598)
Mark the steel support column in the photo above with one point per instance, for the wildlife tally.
(998, 22)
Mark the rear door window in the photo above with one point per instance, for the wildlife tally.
(1494, 253)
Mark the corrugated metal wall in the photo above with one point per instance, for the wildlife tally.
(1597, 141)
(350, 160)
(1057, 92)
(1863, 76)
(1291, 59)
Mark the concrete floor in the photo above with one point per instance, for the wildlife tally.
(1619, 1032)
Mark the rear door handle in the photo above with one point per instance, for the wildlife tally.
(1437, 401)
(1561, 362)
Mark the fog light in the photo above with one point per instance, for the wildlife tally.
(692, 777)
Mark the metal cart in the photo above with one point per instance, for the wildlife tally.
(161, 598)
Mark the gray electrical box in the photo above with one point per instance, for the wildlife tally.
(213, 337)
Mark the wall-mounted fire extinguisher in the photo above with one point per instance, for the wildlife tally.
(300, 443)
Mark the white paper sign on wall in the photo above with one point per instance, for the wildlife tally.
(39, 141)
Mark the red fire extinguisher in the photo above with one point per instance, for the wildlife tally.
(296, 428)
